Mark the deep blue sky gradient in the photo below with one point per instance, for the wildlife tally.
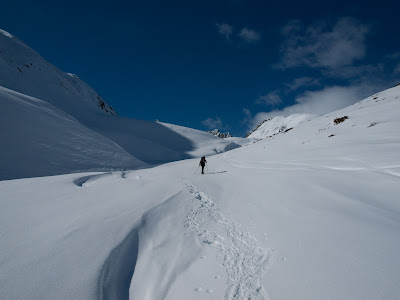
(166, 60)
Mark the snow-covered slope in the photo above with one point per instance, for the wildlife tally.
(279, 124)
(38, 139)
(24, 71)
(309, 214)
(204, 144)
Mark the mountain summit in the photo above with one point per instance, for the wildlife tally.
(25, 71)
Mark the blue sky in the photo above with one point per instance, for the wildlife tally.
(217, 64)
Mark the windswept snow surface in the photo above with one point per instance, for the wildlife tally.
(309, 214)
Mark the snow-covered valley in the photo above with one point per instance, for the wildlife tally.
(307, 213)
(297, 216)
(55, 121)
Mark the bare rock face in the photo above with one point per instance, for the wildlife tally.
(220, 134)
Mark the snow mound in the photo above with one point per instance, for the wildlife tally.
(279, 124)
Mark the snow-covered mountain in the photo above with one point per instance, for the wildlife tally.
(142, 142)
(276, 125)
(25, 71)
(309, 214)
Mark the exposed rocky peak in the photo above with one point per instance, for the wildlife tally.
(220, 134)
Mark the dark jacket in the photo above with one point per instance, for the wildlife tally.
(203, 161)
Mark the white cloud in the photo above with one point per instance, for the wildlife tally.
(321, 102)
(302, 82)
(212, 123)
(323, 47)
(333, 52)
(248, 116)
(249, 36)
(225, 30)
(292, 27)
(247, 113)
(270, 99)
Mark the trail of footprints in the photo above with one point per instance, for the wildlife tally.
(245, 261)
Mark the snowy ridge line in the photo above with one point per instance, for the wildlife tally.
(245, 261)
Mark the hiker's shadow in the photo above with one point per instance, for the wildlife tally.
(219, 172)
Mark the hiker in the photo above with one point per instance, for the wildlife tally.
(202, 164)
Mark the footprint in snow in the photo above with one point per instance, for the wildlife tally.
(244, 260)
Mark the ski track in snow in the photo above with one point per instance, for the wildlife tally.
(245, 261)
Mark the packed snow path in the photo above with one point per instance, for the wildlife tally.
(245, 261)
